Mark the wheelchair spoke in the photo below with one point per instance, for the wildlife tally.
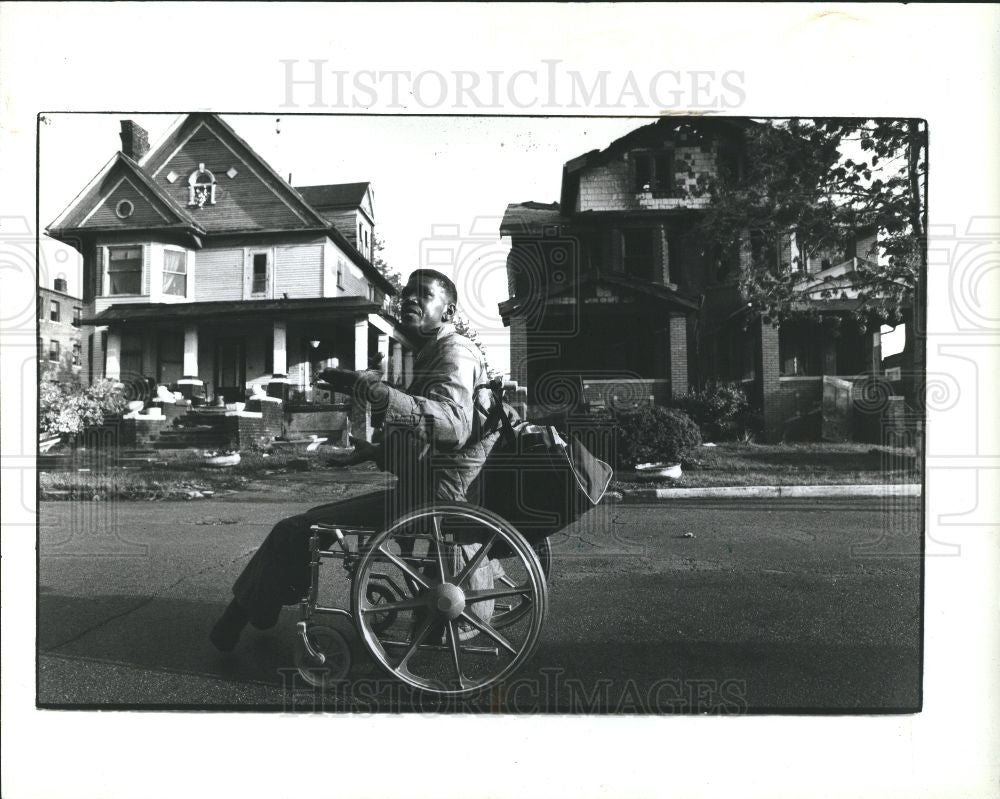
(453, 642)
(403, 604)
(419, 635)
(439, 547)
(493, 593)
(404, 567)
(485, 628)
(473, 564)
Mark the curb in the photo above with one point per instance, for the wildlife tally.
(771, 492)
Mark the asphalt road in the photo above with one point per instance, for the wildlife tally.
(694, 606)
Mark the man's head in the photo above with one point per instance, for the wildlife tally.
(428, 301)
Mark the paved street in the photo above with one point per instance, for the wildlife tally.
(719, 606)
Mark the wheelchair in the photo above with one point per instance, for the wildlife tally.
(418, 601)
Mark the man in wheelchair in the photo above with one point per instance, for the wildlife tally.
(437, 437)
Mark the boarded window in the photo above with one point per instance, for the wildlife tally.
(125, 270)
(175, 273)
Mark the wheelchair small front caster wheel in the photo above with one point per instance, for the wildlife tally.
(322, 655)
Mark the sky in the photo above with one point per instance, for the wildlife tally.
(441, 184)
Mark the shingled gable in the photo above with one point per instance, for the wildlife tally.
(339, 197)
(98, 207)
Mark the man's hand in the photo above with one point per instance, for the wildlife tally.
(342, 380)
(362, 451)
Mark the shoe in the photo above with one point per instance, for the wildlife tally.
(226, 632)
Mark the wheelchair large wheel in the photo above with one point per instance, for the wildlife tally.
(443, 638)
(512, 609)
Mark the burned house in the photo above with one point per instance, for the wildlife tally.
(617, 299)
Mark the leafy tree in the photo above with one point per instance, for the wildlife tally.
(825, 180)
(389, 274)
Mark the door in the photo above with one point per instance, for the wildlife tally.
(230, 369)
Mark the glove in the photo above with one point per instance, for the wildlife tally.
(342, 380)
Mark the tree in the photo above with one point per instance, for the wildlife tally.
(824, 180)
(389, 274)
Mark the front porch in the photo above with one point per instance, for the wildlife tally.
(226, 353)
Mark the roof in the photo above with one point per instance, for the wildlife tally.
(530, 217)
(334, 195)
(328, 307)
(67, 222)
(657, 291)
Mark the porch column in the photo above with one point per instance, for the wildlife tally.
(396, 363)
(383, 350)
(678, 355)
(113, 356)
(279, 357)
(191, 351)
(149, 356)
(361, 344)
(361, 414)
(190, 385)
(767, 372)
(407, 368)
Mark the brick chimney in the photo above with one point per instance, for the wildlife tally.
(135, 140)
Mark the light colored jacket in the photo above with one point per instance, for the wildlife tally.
(435, 440)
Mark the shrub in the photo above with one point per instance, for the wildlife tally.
(717, 409)
(654, 434)
(71, 407)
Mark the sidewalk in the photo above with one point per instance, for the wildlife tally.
(770, 492)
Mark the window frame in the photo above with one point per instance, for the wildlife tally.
(54, 347)
(185, 265)
(55, 311)
(108, 250)
(268, 292)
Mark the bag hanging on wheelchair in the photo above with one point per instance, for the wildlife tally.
(537, 480)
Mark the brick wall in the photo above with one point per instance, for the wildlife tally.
(767, 367)
(678, 355)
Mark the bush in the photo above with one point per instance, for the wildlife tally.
(69, 407)
(654, 434)
(718, 409)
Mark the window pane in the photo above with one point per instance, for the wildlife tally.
(125, 282)
(54, 311)
(175, 262)
(259, 273)
(175, 284)
(53, 350)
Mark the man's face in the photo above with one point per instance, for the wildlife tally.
(425, 306)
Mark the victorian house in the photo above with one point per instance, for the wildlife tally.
(615, 298)
(206, 272)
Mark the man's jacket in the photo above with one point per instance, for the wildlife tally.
(435, 438)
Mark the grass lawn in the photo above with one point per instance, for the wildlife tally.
(181, 474)
(733, 464)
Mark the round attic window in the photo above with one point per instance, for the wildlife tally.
(124, 209)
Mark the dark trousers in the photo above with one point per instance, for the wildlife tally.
(278, 573)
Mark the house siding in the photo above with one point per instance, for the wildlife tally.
(144, 214)
(245, 202)
(299, 271)
(220, 275)
(608, 187)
